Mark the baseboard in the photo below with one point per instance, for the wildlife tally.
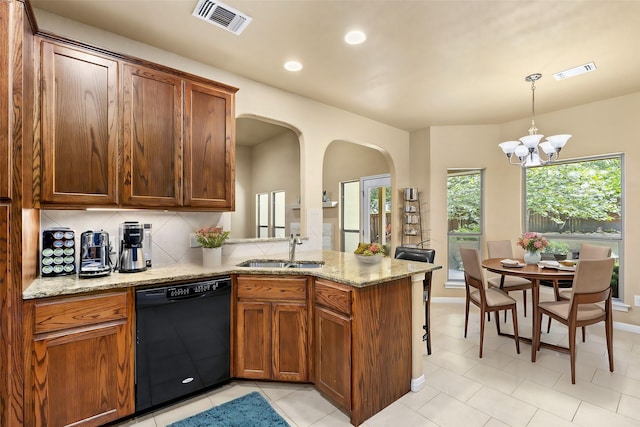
(626, 327)
(417, 384)
(447, 300)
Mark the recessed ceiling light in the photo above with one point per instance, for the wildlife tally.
(292, 66)
(355, 37)
(575, 71)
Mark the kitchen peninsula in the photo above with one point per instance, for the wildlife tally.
(357, 333)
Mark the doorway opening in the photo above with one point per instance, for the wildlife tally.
(366, 211)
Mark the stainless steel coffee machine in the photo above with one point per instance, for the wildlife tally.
(131, 257)
(94, 258)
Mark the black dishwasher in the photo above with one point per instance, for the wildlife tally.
(182, 340)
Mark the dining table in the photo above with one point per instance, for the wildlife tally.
(535, 273)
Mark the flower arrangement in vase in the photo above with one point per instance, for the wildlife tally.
(212, 237)
(533, 243)
(211, 240)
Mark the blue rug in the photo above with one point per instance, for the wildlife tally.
(250, 410)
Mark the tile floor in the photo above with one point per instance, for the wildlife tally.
(501, 389)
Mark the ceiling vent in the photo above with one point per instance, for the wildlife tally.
(223, 16)
(575, 71)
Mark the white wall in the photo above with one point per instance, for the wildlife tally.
(272, 165)
(241, 221)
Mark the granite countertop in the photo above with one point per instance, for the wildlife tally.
(340, 267)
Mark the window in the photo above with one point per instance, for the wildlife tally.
(375, 213)
(350, 213)
(464, 217)
(578, 201)
(270, 219)
(279, 226)
(262, 214)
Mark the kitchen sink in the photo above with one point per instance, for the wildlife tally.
(259, 263)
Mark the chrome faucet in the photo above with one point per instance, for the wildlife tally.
(293, 242)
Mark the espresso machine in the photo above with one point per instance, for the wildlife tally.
(94, 258)
(131, 256)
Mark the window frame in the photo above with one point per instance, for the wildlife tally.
(262, 199)
(594, 239)
(455, 278)
(343, 205)
(278, 208)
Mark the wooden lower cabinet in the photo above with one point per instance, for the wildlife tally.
(272, 333)
(80, 365)
(363, 345)
(290, 351)
(333, 355)
(253, 340)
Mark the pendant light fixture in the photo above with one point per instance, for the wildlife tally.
(527, 150)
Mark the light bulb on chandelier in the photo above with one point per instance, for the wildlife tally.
(527, 149)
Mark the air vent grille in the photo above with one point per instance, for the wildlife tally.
(222, 15)
(575, 71)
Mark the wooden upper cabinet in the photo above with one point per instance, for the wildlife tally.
(152, 138)
(209, 158)
(122, 132)
(79, 126)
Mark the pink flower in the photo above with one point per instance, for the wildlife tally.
(212, 237)
(531, 241)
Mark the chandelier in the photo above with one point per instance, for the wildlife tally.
(527, 149)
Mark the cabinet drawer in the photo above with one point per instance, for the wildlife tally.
(272, 288)
(81, 311)
(333, 296)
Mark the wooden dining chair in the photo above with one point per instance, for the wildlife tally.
(421, 255)
(486, 299)
(502, 249)
(591, 287)
(587, 251)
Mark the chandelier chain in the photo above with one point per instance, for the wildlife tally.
(533, 130)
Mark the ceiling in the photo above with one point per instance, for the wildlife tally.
(424, 63)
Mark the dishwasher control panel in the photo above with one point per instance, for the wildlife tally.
(192, 289)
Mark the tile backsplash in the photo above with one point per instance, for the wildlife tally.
(170, 230)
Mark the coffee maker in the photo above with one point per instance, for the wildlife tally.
(131, 257)
(94, 258)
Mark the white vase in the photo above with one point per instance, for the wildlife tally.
(212, 257)
(532, 257)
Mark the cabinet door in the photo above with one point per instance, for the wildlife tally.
(81, 360)
(79, 127)
(4, 258)
(152, 139)
(333, 356)
(290, 342)
(253, 340)
(209, 157)
(6, 87)
(78, 376)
